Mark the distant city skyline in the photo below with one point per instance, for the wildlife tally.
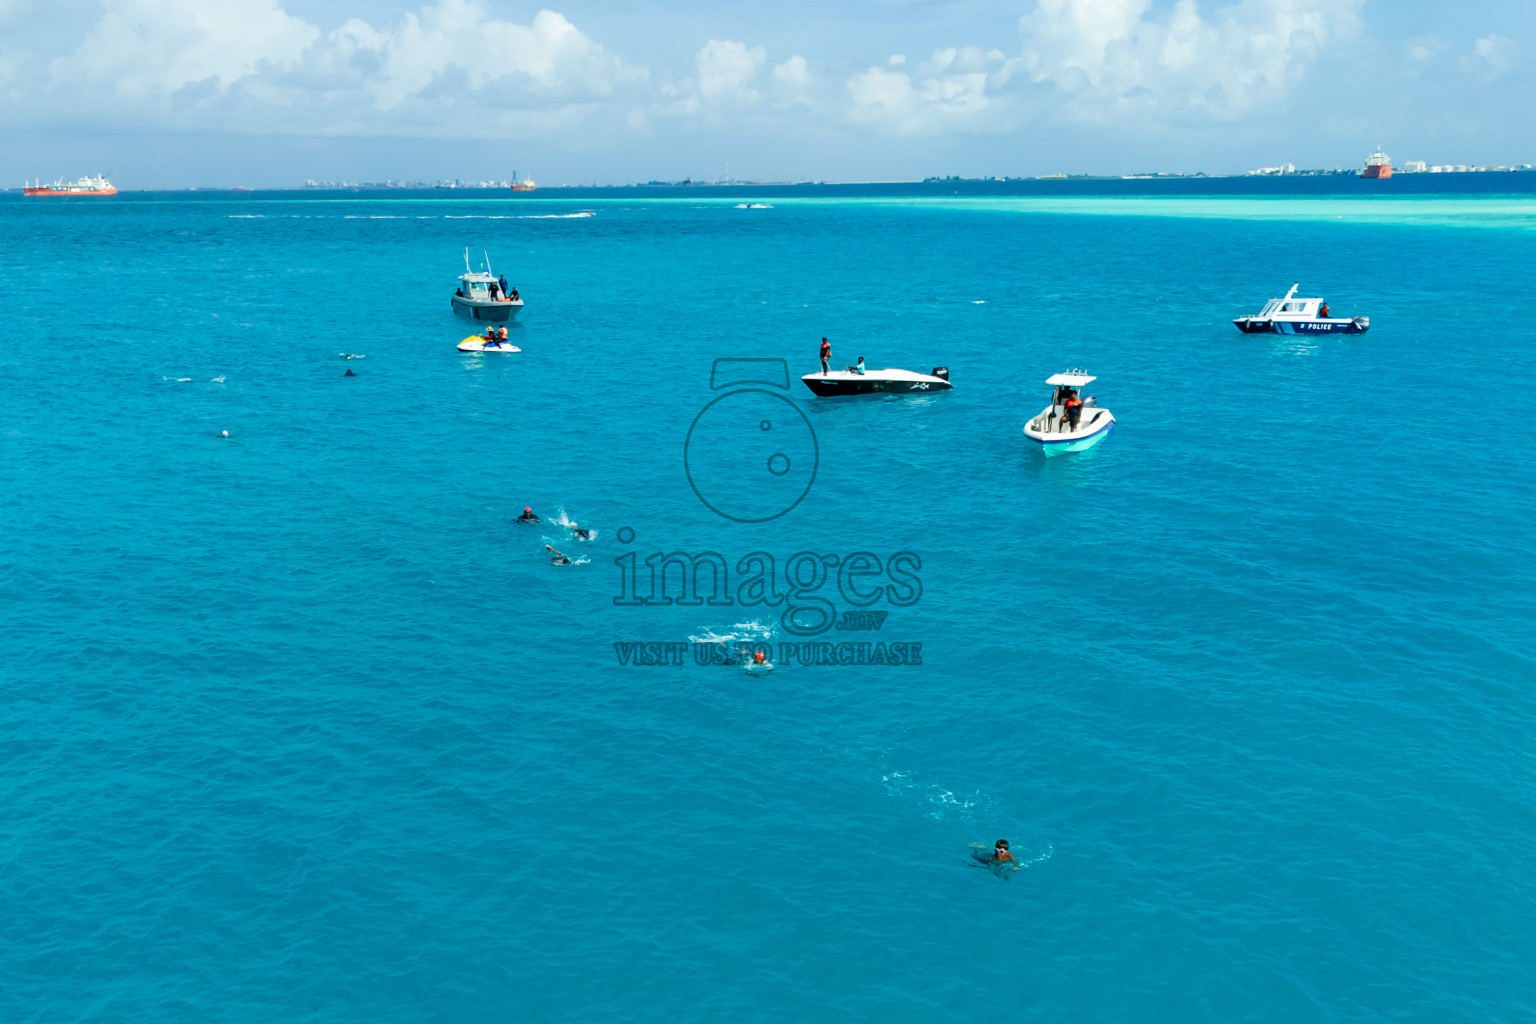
(167, 93)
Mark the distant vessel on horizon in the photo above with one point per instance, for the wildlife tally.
(97, 186)
(522, 184)
(1377, 165)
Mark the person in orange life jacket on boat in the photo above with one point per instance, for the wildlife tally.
(1074, 409)
(1322, 311)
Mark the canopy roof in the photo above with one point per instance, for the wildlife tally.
(1070, 379)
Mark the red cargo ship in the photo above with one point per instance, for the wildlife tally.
(97, 186)
(1377, 165)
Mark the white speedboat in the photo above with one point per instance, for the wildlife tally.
(480, 297)
(480, 343)
(1072, 421)
(1291, 315)
(849, 381)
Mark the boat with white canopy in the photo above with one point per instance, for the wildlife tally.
(1072, 421)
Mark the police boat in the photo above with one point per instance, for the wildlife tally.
(1291, 315)
(1073, 421)
(851, 381)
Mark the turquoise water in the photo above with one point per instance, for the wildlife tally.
(298, 726)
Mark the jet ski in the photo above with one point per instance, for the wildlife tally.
(849, 381)
(480, 343)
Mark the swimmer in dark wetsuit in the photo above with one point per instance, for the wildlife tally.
(581, 532)
(349, 373)
(527, 516)
(555, 557)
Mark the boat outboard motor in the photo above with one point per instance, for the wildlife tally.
(941, 372)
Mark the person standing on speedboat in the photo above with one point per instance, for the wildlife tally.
(826, 355)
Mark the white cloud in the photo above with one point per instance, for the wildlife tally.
(1108, 58)
(1492, 55)
(948, 92)
(451, 68)
(1423, 49)
(149, 48)
(1111, 62)
(793, 73)
(727, 69)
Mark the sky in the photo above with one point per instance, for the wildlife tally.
(169, 93)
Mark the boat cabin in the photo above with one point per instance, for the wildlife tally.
(1291, 308)
(477, 285)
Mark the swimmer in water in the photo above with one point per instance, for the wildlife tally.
(349, 373)
(555, 557)
(527, 516)
(1000, 854)
(759, 658)
(581, 532)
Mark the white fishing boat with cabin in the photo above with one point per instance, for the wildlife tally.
(480, 295)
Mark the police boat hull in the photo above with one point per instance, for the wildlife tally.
(1278, 325)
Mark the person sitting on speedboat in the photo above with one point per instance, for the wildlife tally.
(1074, 410)
(1322, 311)
(514, 295)
(860, 368)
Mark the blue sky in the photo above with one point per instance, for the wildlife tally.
(270, 92)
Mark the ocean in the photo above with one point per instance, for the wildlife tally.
(299, 724)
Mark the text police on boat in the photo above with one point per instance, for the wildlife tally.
(1291, 315)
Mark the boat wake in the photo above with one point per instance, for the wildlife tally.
(519, 216)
